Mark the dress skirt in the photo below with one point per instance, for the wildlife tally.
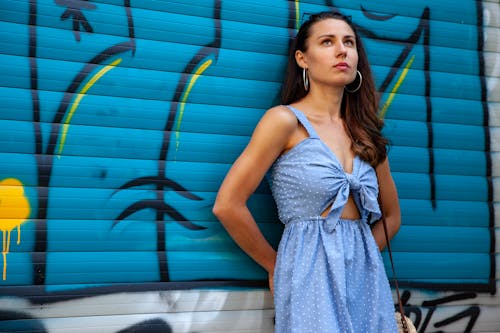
(330, 277)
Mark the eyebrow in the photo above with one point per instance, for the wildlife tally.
(332, 35)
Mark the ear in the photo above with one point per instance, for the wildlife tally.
(300, 58)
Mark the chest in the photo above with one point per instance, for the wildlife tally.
(337, 140)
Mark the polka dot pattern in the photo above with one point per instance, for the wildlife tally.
(329, 275)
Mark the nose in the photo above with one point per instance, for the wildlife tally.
(341, 50)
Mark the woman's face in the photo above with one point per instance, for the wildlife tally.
(331, 56)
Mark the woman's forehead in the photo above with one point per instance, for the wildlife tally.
(331, 26)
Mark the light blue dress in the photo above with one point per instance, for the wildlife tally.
(329, 275)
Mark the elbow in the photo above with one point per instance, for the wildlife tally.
(228, 206)
(217, 209)
(228, 212)
(396, 224)
(220, 209)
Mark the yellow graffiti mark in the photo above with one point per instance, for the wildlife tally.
(297, 13)
(78, 99)
(185, 95)
(396, 88)
(14, 210)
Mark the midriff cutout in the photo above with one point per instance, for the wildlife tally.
(350, 211)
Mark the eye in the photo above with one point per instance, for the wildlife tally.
(326, 42)
(349, 42)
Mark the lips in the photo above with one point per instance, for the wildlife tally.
(342, 65)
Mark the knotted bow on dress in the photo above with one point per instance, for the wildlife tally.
(314, 188)
(360, 184)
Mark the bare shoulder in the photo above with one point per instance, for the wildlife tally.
(275, 130)
(281, 118)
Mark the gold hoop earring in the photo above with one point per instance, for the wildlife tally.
(305, 78)
(359, 85)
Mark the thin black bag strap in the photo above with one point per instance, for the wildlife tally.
(400, 303)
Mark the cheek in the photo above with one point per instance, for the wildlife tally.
(355, 59)
(353, 76)
(319, 57)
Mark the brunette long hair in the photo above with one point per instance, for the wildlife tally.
(358, 109)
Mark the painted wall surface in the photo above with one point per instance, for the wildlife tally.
(119, 120)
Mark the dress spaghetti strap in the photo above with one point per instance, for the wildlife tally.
(304, 121)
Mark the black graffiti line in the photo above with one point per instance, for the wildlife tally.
(410, 309)
(40, 226)
(37, 294)
(472, 312)
(45, 159)
(74, 9)
(449, 299)
(432, 305)
(131, 27)
(159, 181)
(158, 206)
(211, 48)
(76, 83)
(484, 102)
(45, 168)
(35, 324)
(430, 131)
(376, 17)
(78, 19)
(427, 319)
(153, 325)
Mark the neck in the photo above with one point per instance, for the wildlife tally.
(324, 102)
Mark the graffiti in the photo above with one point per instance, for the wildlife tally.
(423, 323)
(198, 64)
(128, 115)
(165, 311)
(71, 99)
(75, 10)
(207, 311)
(491, 44)
(422, 31)
(14, 211)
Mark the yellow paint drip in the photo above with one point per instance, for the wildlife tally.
(78, 99)
(14, 211)
(185, 95)
(396, 88)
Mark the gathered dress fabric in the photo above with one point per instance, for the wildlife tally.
(329, 274)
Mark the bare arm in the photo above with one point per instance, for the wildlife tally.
(391, 210)
(270, 138)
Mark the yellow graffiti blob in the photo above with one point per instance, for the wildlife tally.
(14, 210)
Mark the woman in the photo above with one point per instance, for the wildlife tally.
(327, 159)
